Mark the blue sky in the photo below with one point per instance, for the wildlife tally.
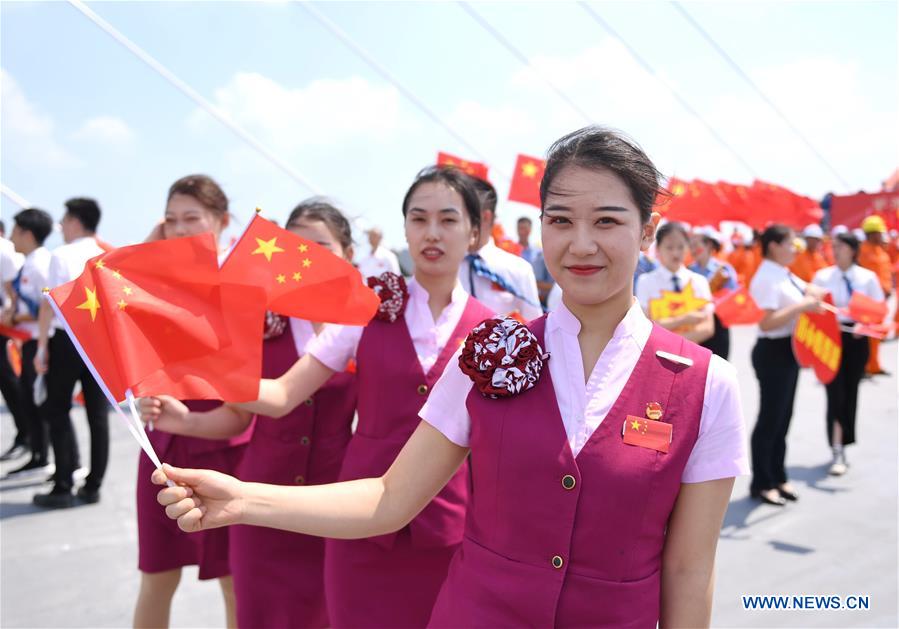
(83, 116)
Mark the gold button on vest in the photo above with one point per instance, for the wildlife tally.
(557, 562)
(568, 481)
(422, 389)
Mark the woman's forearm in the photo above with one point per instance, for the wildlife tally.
(223, 422)
(348, 510)
(280, 396)
(779, 318)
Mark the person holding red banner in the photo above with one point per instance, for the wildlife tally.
(597, 493)
(392, 580)
(672, 277)
(195, 205)
(279, 576)
(842, 281)
(783, 297)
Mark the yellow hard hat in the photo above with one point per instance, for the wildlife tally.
(874, 224)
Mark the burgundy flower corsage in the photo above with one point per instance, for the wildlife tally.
(392, 291)
(502, 357)
(275, 325)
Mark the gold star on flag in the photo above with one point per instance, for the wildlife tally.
(303, 248)
(121, 304)
(127, 290)
(281, 279)
(267, 248)
(100, 264)
(635, 424)
(529, 169)
(116, 274)
(90, 304)
(297, 277)
(307, 263)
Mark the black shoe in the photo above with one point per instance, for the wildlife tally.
(88, 495)
(777, 501)
(789, 495)
(56, 499)
(15, 451)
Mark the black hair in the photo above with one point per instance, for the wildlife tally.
(671, 228)
(86, 211)
(850, 240)
(321, 209)
(525, 219)
(596, 147)
(36, 221)
(486, 194)
(205, 190)
(455, 179)
(2, 228)
(774, 233)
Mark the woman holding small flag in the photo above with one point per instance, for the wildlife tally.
(195, 205)
(673, 296)
(783, 297)
(279, 576)
(391, 578)
(842, 281)
(597, 496)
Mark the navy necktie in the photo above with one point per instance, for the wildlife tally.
(676, 282)
(848, 284)
(477, 265)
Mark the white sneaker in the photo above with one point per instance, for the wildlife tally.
(838, 468)
(79, 474)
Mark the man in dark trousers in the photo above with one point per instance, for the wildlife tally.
(58, 358)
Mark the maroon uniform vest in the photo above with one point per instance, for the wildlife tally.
(557, 540)
(392, 389)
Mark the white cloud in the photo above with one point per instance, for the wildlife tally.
(324, 112)
(108, 130)
(28, 134)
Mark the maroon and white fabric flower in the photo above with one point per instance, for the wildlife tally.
(391, 289)
(275, 325)
(502, 357)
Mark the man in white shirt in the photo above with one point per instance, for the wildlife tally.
(498, 279)
(381, 259)
(66, 367)
(31, 228)
(10, 263)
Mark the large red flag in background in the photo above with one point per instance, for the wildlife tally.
(475, 169)
(156, 318)
(852, 209)
(701, 203)
(525, 186)
(300, 278)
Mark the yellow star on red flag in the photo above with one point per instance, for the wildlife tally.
(91, 304)
(267, 248)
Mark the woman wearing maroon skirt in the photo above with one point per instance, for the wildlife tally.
(195, 205)
(392, 579)
(278, 576)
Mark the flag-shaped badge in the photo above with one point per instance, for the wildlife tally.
(525, 186)
(300, 278)
(647, 433)
(475, 169)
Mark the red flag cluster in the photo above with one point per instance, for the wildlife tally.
(162, 317)
(758, 205)
(525, 187)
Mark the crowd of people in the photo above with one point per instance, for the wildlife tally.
(472, 455)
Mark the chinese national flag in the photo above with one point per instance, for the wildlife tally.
(300, 278)
(738, 308)
(866, 310)
(525, 186)
(475, 169)
(156, 318)
(647, 433)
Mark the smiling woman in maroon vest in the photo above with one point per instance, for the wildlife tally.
(600, 469)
